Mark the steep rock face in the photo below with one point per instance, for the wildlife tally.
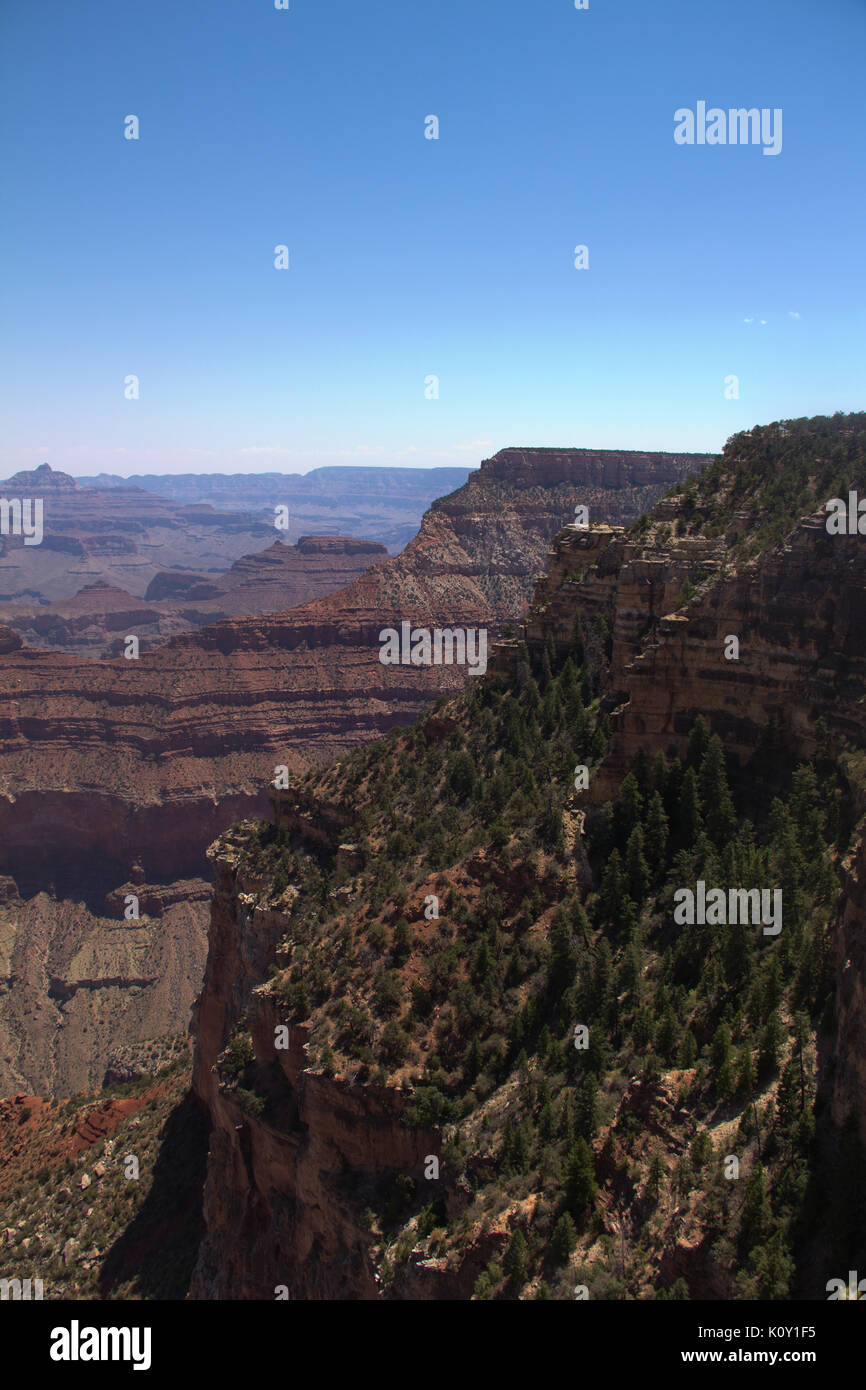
(276, 1205)
(153, 757)
(797, 612)
(76, 984)
(602, 470)
(798, 615)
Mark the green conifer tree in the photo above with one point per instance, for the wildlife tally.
(515, 1261)
(690, 823)
(637, 874)
(656, 839)
(698, 741)
(564, 1239)
(715, 794)
(580, 1184)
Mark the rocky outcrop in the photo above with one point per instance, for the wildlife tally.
(280, 1218)
(75, 984)
(797, 612)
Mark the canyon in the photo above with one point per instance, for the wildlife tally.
(277, 1206)
(114, 771)
(343, 1149)
(93, 623)
(384, 503)
(122, 536)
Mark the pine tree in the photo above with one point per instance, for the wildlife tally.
(551, 711)
(462, 776)
(597, 746)
(585, 1116)
(720, 817)
(545, 1123)
(515, 1261)
(642, 1028)
(580, 1184)
(691, 822)
(656, 839)
(688, 1050)
(720, 1061)
(746, 1075)
(601, 985)
(603, 833)
(655, 1178)
(770, 1043)
(774, 1268)
(564, 1239)
(483, 963)
(579, 921)
(807, 813)
(679, 1291)
(472, 1063)
(757, 1215)
(787, 860)
(516, 1147)
(578, 722)
(546, 670)
(701, 1150)
(563, 957)
(666, 1035)
(698, 741)
(629, 805)
(631, 971)
(738, 949)
(568, 681)
(566, 1119)
(771, 995)
(550, 652)
(673, 790)
(637, 875)
(613, 886)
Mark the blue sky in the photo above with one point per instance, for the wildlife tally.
(413, 257)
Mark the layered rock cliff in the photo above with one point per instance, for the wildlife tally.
(96, 620)
(276, 1191)
(120, 769)
(146, 760)
(329, 902)
(122, 536)
(81, 983)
